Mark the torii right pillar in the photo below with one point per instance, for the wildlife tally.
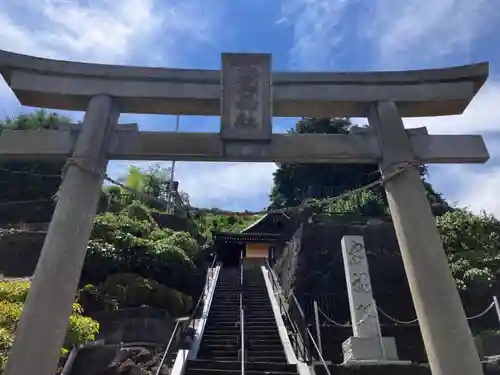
(445, 331)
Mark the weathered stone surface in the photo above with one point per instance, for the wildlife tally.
(69, 85)
(128, 367)
(312, 266)
(140, 324)
(246, 97)
(19, 252)
(112, 360)
(369, 348)
(359, 288)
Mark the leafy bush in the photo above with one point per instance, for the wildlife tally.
(139, 211)
(81, 329)
(14, 291)
(10, 312)
(472, 243)
(184, 241)
(365, 203)
(130, 290)
(124, 244)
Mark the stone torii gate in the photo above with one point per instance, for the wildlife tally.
(251, 95)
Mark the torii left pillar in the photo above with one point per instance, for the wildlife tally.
(44, 321)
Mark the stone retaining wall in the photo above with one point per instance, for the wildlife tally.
(19, 252)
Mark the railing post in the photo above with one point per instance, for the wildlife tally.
(497, 307)
(318, 328)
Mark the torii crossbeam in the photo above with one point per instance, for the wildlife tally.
(251, 94)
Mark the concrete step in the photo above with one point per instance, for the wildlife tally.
(269, 359)
(234, 340)
(213, 347)
(236, 365)
(236, 323)
(270, 353)
(236, 328)
(225, 322)
(235, 335)
(230, 372)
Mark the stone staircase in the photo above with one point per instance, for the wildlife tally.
(220, 347)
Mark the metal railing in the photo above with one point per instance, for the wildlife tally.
(302, 338)
(242, 318)
(169, 345)
(204, 293)
(294, 320)
(191, 322)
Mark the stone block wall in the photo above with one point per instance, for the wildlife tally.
(141, 324)
(19, 252)
(311, 265)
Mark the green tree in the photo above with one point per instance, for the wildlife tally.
(130, 241)
(295, 183)
(150, 186)
(472, 243)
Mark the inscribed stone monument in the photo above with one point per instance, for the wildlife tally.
(367, 343)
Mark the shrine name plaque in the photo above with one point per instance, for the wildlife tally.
(246, 97)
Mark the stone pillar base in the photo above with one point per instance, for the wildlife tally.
(369, 349)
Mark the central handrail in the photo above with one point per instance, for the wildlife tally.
(306, 328)
(191, 319)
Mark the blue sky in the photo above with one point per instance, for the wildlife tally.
(324, 35)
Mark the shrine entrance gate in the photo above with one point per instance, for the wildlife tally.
(246, 94)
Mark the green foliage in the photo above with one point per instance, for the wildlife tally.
(10, 312)
(137, 210)
(123, 243)
(294, 183)
(182, 241)
(154, 182)
(81, 329)
(365, 203)
(472, 243)
(14, 291)
(37, 120)
(130, 290)
(207, 222)
(439, 205)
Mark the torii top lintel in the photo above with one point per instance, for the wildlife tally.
(67, 85)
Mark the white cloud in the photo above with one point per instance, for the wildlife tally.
(406, 31)
(481, 191)
(482, 115)
(401, 33)
(104, 31)
(235, 186)
(315, 25)
(473, 186)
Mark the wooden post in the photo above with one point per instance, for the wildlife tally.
(42, 328)
(447, 337)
